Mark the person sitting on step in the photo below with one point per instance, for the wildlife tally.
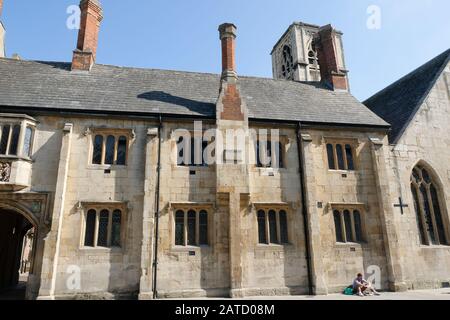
(360, 285)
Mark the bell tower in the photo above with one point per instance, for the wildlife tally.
(296, 55)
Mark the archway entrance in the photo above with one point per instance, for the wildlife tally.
(16, 253)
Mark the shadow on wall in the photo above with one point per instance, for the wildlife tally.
(201, 107)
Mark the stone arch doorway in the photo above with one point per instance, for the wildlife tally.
(18, 231)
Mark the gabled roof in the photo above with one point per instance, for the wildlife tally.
(399, 102)
(33, 86)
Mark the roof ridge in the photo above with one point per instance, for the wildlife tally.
(410, 74)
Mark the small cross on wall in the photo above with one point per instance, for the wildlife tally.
(401, 205)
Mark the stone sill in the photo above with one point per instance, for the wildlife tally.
(273, 247)
(106, 167)
(187, 249)
(348, 172)
(101, 250)
(358, 245)
(436, 247)
(15, 158)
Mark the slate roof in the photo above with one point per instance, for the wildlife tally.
(38, 85)
(399, 102)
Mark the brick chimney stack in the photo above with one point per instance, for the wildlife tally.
(329, 53)
(228, 37)
(91, 16)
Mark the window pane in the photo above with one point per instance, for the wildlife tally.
(192, 223)
(203, 227)
(90, 228)
(349, 154)
(262, 227)
(110, 145)
(340, 157)
(103, 229)
(283, 227)
(122, 151)
(14, 140)
(426, 176)
(116, 228)
(348, 226)
(97, 153)
(438, 215)
(428, 218)
(418, 215)
(280, 155)
(179, 228)
(338, 226)
(184, 149)
(27, 142)
(358, 226)
(193, 151)
(5, 138)
(330, 154)
(273, 227)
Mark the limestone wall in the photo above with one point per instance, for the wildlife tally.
(347, 189)
(425, 141)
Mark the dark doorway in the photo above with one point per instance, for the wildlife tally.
(16, 245)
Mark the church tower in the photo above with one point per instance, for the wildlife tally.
(2, 33)
(295, 56)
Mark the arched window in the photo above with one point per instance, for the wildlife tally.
(98, 147)
(338, 226)
(340, 156)
(273, 232)
(273, 227)
(115, 228)
(109, 152)
(348, 225)
(191, 228)
(103, 223)
(90, 228)
(179, 228)
(121, 151)
(288, 63)
(262, 227)
(27, 143)
(427, 205)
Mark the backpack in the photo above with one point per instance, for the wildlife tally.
(348, 291)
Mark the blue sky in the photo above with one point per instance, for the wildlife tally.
(182, 34)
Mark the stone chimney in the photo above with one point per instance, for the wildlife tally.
(228, 37)
(2, 33)
(330, 56)
(91, 16)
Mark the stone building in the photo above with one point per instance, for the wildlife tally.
(90, 159)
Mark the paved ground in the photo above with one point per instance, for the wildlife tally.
(441, 294)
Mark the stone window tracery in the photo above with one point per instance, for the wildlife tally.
(340, 155)
(16, 139)
(272, 226)
(110, 148)
(428, 208)
(103, 226)
(348, 225)
(191, 227)
(287, 66)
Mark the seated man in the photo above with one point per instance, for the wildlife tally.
(360, 285)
